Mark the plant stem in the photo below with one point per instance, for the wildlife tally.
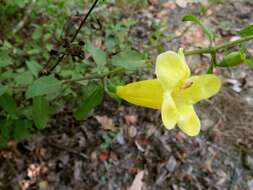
(95, 76)
(225, 45)
(47, 72)
(84, 20)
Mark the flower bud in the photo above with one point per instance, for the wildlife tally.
(232, 59)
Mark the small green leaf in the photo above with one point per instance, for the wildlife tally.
(8, 75)
(24, 78)
(98, 55)
(249, 62)
(3, 89)
(40, 112)
(247, 31)
(194, 19)
(93, 100)
(36, 34)
(34, 67)
(130, 60)
(8, 104)
(22, 129)
(43, 86)
(5, 59)
(25, 112)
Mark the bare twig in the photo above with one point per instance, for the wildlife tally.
(95, 76)
(67, 149)
(47, 72)
(84, 20)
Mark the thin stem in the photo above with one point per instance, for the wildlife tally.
(55, 65)
(84, 20)
(213, 63)
(95, 76)
(219, 47)
(73, 38)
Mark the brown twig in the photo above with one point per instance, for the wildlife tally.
(47, 72)
(84, 20)
(67, 149)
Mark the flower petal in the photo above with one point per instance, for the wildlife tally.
(171, 68)
(182, 57)
(146, 93)
(169, 111)
(188, 120)
(197, 88)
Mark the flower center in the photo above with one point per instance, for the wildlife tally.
(186, 84)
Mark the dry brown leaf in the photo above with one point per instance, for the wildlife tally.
(195, 37)
(162, 14)
(234, 38)
(207, 166)
(182, 3)
(132, 131)
(138, 183)
(169, 5)
(131, 119)
(43, 185)
(250, 50)
(97, 42)
(106, 122)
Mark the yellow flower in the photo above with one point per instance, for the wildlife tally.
(173, 92)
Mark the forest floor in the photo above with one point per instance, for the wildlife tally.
(121, 146)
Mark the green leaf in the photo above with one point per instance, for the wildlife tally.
(37, 34)
(25, 112)
(8, 75)
(249, 62)
(90, 102)
(34, 67)
(8, 104)
(24, 78)
(130, 60)
(43, 86)
(40, 112)
(22, 129)
(5, 59)
(5, 131)
(3, 89)
(194, 19)
(98, 55)
(247, 31)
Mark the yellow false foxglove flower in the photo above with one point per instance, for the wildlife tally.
(173, 92)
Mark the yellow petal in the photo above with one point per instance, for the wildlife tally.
(146, 93)
(169, 111)
(182, 57)
(171, 68)
(197, 88)
(188, 120)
